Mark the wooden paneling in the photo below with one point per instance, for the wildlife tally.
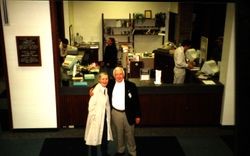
(160, 110)
(180, 109)
(74, 110)
(157, 110)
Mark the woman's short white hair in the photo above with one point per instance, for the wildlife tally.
(101, 74)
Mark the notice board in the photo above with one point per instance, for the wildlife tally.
(28, 50)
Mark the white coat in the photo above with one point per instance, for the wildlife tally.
(98, 105)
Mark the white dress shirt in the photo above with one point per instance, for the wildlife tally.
(179, 58)
(180, 65)
(118, 96)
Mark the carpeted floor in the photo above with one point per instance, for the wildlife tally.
(156, 146)
(64, 147)
(193, 141)
(146, 146)
(229, 141)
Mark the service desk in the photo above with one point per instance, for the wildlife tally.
(161, 105)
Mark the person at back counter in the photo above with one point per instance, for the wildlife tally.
(110, 57)
(64, 48)
(180, 62)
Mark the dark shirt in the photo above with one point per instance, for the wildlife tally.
(110, 56)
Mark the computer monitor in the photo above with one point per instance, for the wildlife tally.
(85, 58)
(210, 67)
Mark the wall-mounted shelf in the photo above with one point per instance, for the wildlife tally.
(146, 31)
(146, 27)
(132, 33)
(119, 28)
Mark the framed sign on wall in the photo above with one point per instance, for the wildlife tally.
(148, 14)
(28, 50)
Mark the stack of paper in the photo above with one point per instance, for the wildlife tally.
(208, 82)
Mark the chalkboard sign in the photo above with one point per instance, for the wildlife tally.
(28, 50)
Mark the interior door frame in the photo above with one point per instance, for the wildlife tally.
(5, 73)
(57, 31)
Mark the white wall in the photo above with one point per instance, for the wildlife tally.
(32, 89)
(227, 68)
(85, 16)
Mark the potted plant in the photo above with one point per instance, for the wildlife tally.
(139, 17)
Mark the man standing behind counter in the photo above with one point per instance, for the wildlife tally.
(180, 62)
(65, 48)
(110, 56)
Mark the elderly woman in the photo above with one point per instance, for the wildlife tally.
(98, 127)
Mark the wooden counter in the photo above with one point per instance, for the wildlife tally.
(161, 105)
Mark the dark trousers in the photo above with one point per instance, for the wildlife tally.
(104, 145)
